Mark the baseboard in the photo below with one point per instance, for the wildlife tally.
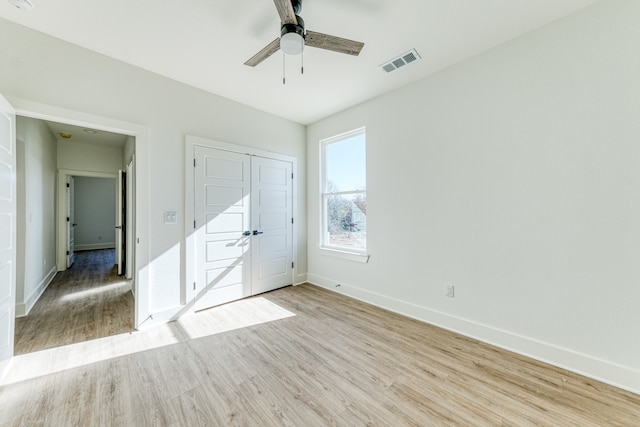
(23, 309)
(300, 279)
(601, 370)
(94, 246)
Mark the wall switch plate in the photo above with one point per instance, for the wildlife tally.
(170, 217)
(448, 291)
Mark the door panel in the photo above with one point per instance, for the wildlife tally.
(222, 202)
(272, 212)
(130, 227)
(71, 221)
(7, 232)
(120, 222)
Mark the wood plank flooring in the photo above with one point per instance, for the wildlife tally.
(85, 302)
(300, 356)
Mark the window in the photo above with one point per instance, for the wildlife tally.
(344, 192)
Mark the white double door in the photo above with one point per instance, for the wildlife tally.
(243, 225)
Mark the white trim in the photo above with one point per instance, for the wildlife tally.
(186, 293)
(37, 110)
(601, 370)
(23, 309)
(349, 256)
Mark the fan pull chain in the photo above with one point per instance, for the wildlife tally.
(284, 78)
(302, 56)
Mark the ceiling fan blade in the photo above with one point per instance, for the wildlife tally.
(286, 12)
(266, 52)
(336, 44)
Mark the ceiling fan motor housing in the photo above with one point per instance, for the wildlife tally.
(292, 37)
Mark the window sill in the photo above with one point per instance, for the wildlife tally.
(349, 256)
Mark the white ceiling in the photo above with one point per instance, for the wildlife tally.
(204, 43)
(82, 135)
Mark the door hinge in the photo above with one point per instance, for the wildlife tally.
(291, 265)
(194, 286)
(194, 163)
(291, 220)
(194, 224)
(67, 252)
(291, 175)
(68, 186)
(68, 219)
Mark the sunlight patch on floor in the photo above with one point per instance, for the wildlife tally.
(228, 317)
(125, 284)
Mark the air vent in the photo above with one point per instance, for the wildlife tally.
(400, 61)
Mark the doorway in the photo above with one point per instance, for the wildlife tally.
(82, 223)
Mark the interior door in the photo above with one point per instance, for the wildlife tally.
(7, 232)
(271, 213)
(222, 226)
(120, 222)
(71, 223)
(129, 229)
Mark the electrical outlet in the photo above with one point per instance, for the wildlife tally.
(448, 291)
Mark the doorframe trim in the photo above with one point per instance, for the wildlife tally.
(141, 134)
(187, 293)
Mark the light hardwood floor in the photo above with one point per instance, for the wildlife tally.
(300, 356)
(85, 302)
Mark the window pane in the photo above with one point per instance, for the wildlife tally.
(346, 164)
(347, 221)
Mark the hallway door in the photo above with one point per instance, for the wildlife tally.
(71, 221)
(7, 231)
(121, 225)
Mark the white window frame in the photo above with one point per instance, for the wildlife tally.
(352, 254)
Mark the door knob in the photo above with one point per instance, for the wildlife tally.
(118, 227)
(256, 232)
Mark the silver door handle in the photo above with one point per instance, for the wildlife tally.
(256, 232)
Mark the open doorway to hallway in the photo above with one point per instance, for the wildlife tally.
(61, 301)
(87, 301)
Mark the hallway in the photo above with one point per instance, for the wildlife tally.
(85, 302)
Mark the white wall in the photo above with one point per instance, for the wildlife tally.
(48, 71)
(513, 176)
(36, 177)
(88, 157)
(95, 213)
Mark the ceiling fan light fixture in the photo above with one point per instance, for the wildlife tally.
(292, 43)
(22, 4)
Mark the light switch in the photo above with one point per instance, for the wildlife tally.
(170, 217)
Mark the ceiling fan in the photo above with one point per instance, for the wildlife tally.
(293, 36)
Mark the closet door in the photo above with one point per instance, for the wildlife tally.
(222, 208)
(272, 216)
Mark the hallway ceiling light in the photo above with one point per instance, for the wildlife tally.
(23, 4)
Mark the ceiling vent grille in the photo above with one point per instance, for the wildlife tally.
(400, 61)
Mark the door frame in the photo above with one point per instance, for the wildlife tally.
(62, 200)
(140, 133)
(187, 294)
